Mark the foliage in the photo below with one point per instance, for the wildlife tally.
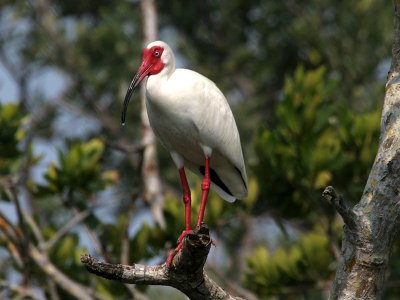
(11, 133)
(316, 143)
(79, 170)
(299, 264)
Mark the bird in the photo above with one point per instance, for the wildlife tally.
(193, 120)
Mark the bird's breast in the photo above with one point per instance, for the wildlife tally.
(174, 127)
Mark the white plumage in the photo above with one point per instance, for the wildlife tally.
(193, 120)
(187, 111)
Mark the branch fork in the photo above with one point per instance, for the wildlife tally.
(186, 272)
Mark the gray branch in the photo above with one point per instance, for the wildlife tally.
(344, 211)
(151, 178)
(185, 274)
(73, 288)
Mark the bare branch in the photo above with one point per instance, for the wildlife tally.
(9, 189)
(151, 177)
(125, 244)
(126, 148)
(79, 217)
(94, 238)
(337, 201)
(151, 275)
(73, 288)
(9, 229)
(34, 227)
(185, 274)
(23, 292)
(233, 286)
(137, 295)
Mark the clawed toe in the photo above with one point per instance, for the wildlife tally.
(183, 234)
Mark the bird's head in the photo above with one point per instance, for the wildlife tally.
(155, 57)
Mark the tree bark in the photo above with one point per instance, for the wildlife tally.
(372, 226)
(186, 272)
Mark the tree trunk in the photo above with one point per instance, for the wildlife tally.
(151, 178)
(371, 227)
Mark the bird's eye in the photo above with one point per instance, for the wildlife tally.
(157, 53)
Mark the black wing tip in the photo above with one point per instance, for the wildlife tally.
(217, 180)
(241, 176)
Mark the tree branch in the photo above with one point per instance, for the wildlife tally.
(151, 177)
(186, 272)
(73, 288)
(24, 292)
(344, 211)
(78, 218)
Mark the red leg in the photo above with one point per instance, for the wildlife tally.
(188, 204)
(187, 201)
(172, 253)
(205, 187)
(186, 198)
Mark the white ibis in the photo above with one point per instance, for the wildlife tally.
(193, 120)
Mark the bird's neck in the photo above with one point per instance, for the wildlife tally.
(155, 85)
(162, 77)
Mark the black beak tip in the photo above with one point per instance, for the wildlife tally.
(123, 118)
(125, 106)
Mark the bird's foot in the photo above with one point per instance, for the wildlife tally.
(172, 253)
(180, 241)
(183, 234)
(199, 237)
(170, 257)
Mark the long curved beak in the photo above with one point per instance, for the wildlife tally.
(143, 71)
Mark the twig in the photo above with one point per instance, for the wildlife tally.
(233, 286)
(13, 248)
(9, 189)
(79, 217)
(125, 245)
(52, 287)
(9, 229)
(136, 294)
(24, 241)
(348, 216)
(33, 226)
(12, 237)
(73, 288)
(186, 272)
(125, 148)
(92, 236)
(23, 291)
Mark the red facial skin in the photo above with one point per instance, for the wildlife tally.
(151, 65)
(151, 61)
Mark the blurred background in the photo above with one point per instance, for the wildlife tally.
(305, 83)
